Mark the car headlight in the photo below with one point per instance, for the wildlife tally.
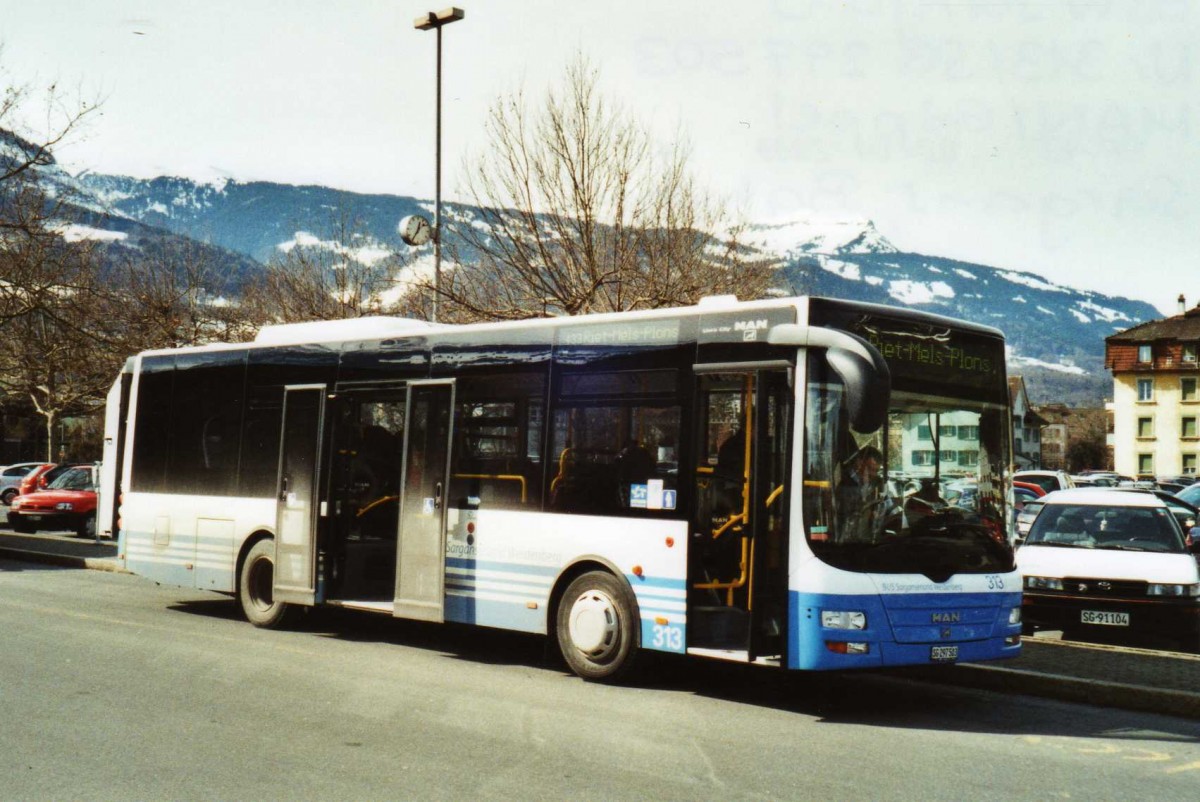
(64, 506)
(1182, 591)
(1042, 583)
(16, 502)
(1014, 615)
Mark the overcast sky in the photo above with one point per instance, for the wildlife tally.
(1057, 137)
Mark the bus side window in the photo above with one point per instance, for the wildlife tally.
(609, 458)
(496, 462)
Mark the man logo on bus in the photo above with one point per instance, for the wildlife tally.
(750, 328)
(947, 618)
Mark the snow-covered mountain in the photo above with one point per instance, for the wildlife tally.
(1056, 333)
(78, 213)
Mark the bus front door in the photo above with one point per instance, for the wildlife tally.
(738, 593)
(421, 553)
(296, 494)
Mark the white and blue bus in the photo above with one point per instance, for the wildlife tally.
(685, 480)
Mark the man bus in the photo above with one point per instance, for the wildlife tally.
(670, 480)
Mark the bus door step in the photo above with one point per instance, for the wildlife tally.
(719, 627)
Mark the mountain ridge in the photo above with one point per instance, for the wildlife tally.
(1055, 332)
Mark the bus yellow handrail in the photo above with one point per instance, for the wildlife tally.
(374, 504)
(743, 575)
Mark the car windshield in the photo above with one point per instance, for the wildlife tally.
(1094, 526)
(74, 479)
(1191, 495)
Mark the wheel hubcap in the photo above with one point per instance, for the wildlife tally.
(593, 624)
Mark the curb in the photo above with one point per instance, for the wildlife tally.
(65, 560)
(1063, 688)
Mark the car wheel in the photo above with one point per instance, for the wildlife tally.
(8, 495)
(596, 625)
(256, 585)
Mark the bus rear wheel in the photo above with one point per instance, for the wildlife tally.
(596, 624)
(256, 588)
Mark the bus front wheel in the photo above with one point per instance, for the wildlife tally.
(256, 587)
(596, 626)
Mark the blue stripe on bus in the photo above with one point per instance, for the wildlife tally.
(900, 630)
(471, 564)
(662, 628)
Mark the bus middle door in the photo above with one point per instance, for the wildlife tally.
(421, 553)
(297, 494)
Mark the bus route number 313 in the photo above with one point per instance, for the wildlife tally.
(667, 638)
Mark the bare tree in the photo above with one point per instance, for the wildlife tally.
(575, 213)
(341, 274)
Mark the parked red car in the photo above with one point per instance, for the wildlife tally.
(69, 502)
(40, 478)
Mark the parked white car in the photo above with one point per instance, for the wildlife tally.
(1111, 561)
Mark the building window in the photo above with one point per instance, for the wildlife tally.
(949, 456)
(1187, 427)
(968, 433)
(1187, 389)
(924, 433)
(948, 431)
(1145, 427)
(1189, 464)
(968, 459)
(1189, 352)
(1145, 463)
(1145, 389)
(922, 458)
(1145, 354)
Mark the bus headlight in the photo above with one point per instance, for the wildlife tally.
(1014, 615)
(843, 619)
(1042, 583)
(1173, 590)
(64, 506)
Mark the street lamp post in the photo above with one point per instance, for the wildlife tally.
(435, 20)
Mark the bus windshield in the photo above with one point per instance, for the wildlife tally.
(924, 494)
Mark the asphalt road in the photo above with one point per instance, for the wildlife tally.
(114, 688)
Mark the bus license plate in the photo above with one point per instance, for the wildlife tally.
(944, 654)
(1105, 618)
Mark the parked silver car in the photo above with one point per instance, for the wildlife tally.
(10, 479)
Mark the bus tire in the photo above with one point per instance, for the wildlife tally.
(255, 587)
(596, 625)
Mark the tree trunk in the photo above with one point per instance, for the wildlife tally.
(50, 416)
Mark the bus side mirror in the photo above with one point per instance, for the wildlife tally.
(868, 385)
(859, 364)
